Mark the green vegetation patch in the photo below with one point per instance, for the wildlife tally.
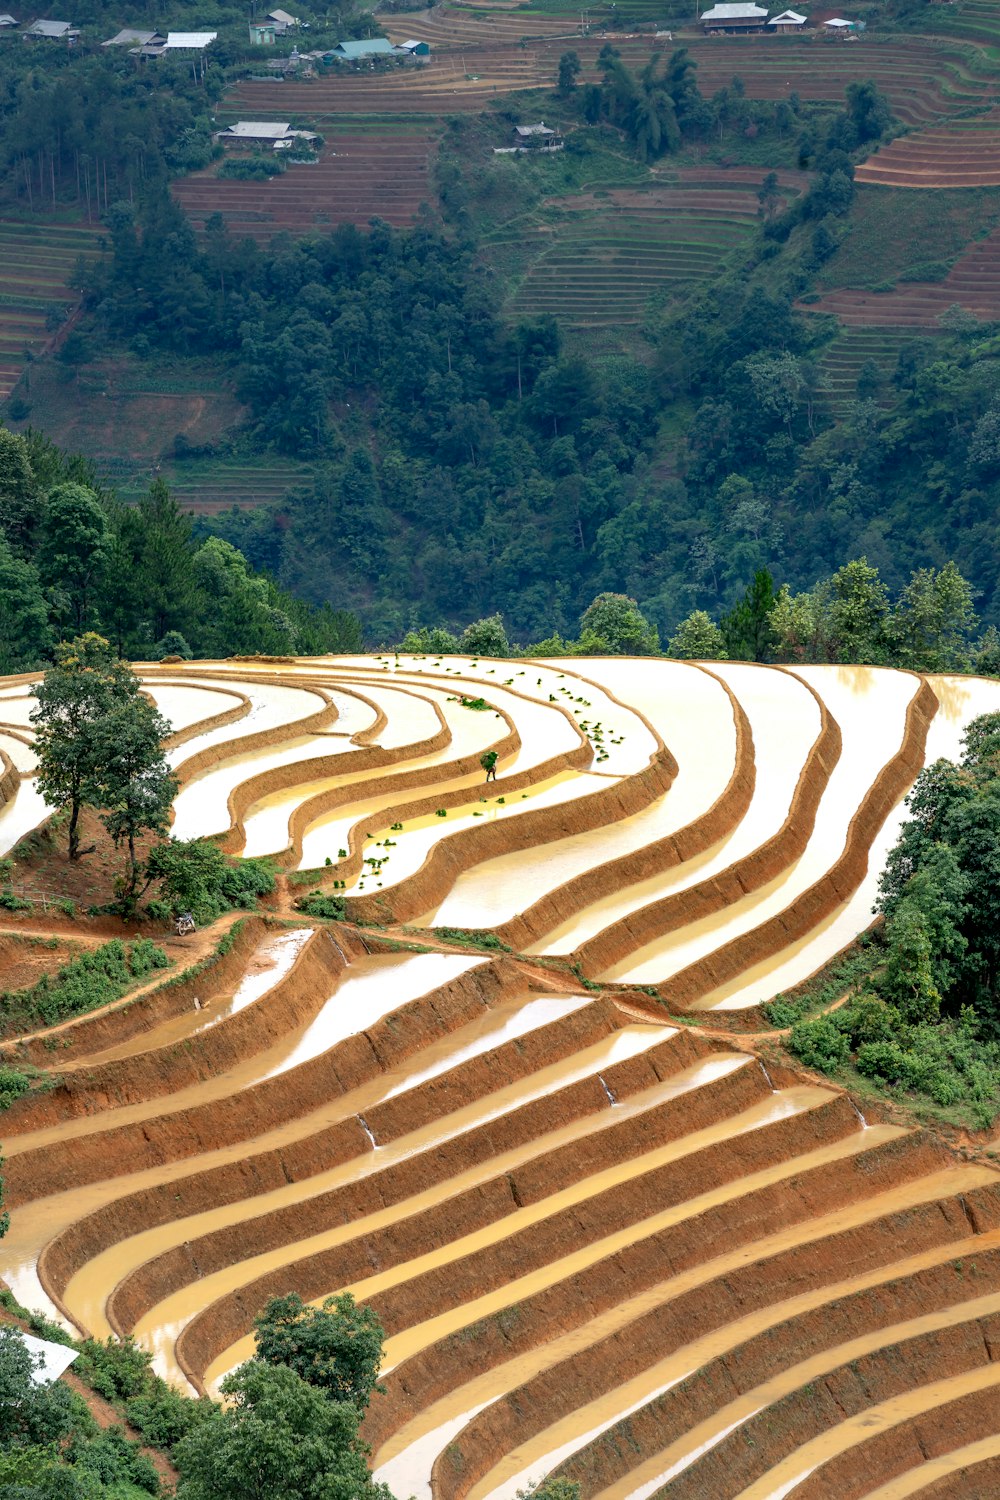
(896, 234)
(86, 983)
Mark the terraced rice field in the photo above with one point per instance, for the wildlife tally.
(972, 283)
(358, 177)
(960, 153)
(602, 258)
(601, 1244)
(37, 261)
(854, 347)
(208, 489)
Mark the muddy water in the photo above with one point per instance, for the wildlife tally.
(22, 815)
(411, 975)
(405, 1461)
(17, 712)
(553, 1446)
(962, 699)
(944, 1466)
(88, 1289)
(786, 1476)
(183, 706)
(201, 805)
(22, 755)
(269, 963)
(647, 1478)
(373, 986)
(785, 722)
(691, 711)
(411, 844)
(405, 1344)
(270, 707)
(543, 734)
(170, 1316)
(870, 707)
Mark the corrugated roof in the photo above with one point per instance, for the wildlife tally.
(190, 39)
(363, 49)
(259, 129)
(137, 38)
(283, 16)
(733, 13)
(790, 17)
(7, 21)
(48, 28)
(51, 1359)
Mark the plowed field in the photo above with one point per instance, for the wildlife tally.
(601, 1243)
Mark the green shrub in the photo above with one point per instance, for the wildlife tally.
(194, 875)
(12, 1085)
(118, 1369)
(319, 904)
(10, 901)
(820, 1043)
(111, 1458)
(94, 979)
(163, 1416)
(246, 168)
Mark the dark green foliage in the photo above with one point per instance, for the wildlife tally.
(195, 876)
(94, 979)
(929, 1019)
(248, 167)
(747, 630)
(319, 904)
(336, 1347)
(12, 1085)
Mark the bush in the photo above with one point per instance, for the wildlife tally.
(820, 1044)
(96, 978)
(112, 1459)
(118, 1369)
(245, 168)
(319, 904)
(196, 876)
(12, 1085)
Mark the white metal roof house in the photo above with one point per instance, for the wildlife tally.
(7, 21)
(276, 133)
(281, 17)
(54, 31)
(789, 20)
(740, 17)
(189, 41)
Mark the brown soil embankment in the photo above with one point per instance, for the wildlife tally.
(892, 1371)
(740, 879)
(386, 1045)
(834, 888)
(755, 1361)
(282, 1008)
(132, 1015)
(972, 1479)
(728, 1230)
(441, 1161)
(452, 855)
(239, 709)
(321, 718)
(543, 1241)
(367, 757)
(241, 1116)
(10, 779)
(694, 838)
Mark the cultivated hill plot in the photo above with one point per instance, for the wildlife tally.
(600, 1242)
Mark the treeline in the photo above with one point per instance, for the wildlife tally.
(924, 1014)
(73, 558)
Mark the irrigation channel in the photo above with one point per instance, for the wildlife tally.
(603, 1241)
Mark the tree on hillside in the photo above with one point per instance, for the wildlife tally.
(485, 638)
(697, 638)
(132, 782)
(25, 636)
(618, 626)
(278, 1436)
(569, 69)
(73, 547)
(85, 686)
(336, 1347)
(934, 621)
(748, 630)
(19, 494)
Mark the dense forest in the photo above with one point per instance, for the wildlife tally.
(72, 557)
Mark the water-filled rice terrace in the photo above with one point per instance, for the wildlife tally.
(602, 1238)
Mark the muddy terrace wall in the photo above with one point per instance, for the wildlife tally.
(458, 1281)
(357, 1060)
(10, 780)
(836, 886)
(721, 819)
(399, 1181)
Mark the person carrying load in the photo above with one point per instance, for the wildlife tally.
(488, 761)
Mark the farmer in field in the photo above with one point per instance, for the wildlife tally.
(488, 761)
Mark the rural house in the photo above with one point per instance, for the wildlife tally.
(277, 134)
(132, 38)
(53, 31)
(7, 21)
(376, 46)
(788, 21)
(537, 138)
(413, 49)
(282, 20)
(734, 18)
